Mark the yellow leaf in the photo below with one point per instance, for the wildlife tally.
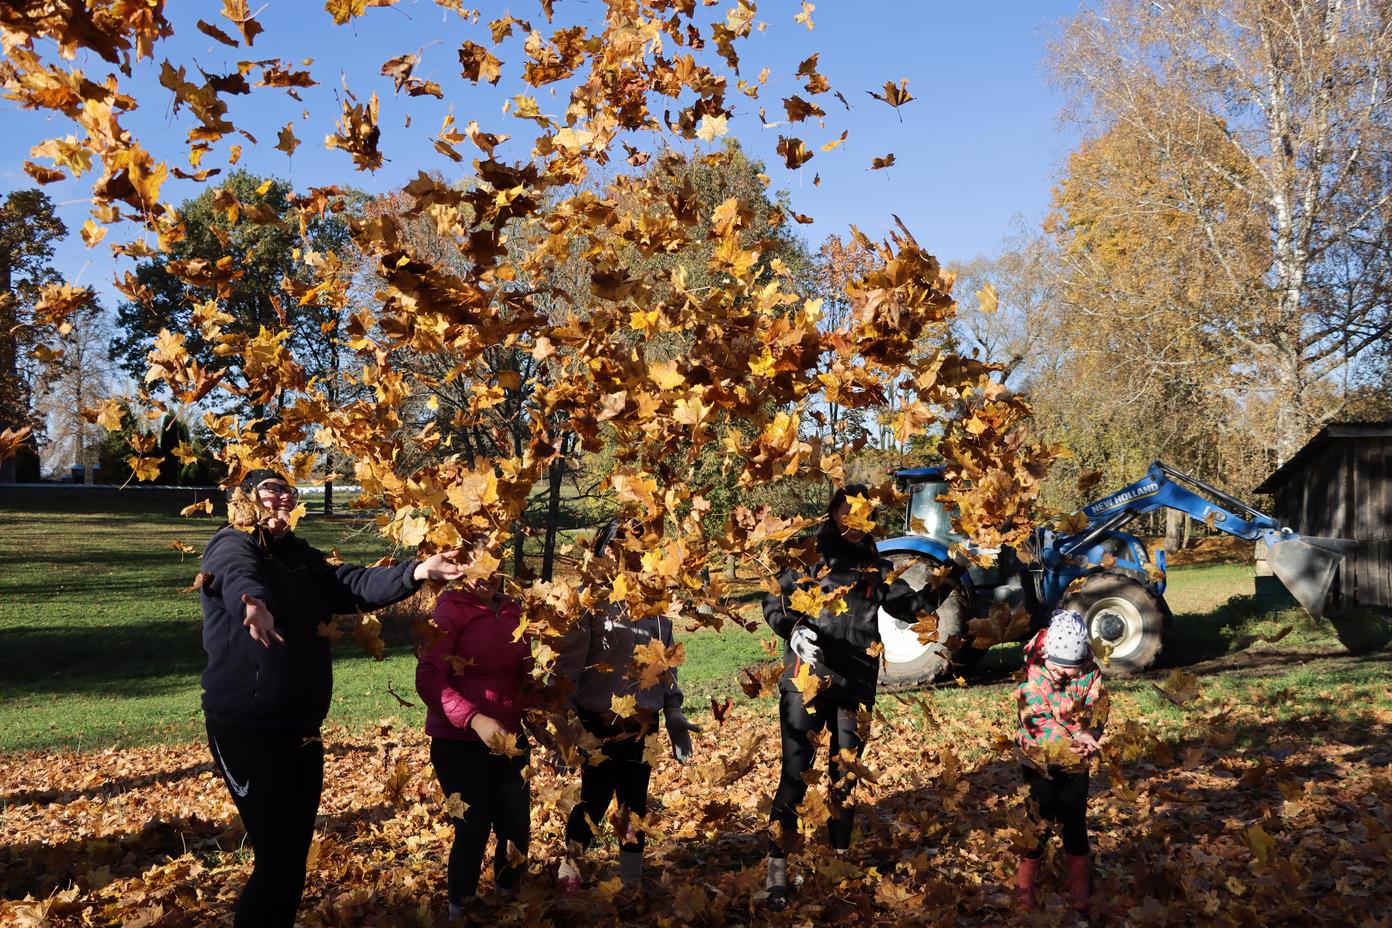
(666, 375)
(987, 300)
(711, 128)
(286, 141)
(505, 743)
(92, 233)
(367, 634)
(455, 806)
(808, 684)
(862, 513)
(204, 506)
(344, 10)
(623, 706)
(144, 468)
(1260, 843)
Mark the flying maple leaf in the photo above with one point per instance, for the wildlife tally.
(204, 506)
(367, 634)
(623, 707)
(894, 96)
(1180, 688)
(879, 164)
(799, 109)
(358, 133)
(479, 64)
(240, 16)
(794, 152)
(1087, 479)
(1002, 624)
(711, 128)
(286, 141)
(344, 10)
(214, 32)
(143, 468)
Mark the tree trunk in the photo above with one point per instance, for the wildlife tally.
(1174, 523)
(9, 363)
(554, 473)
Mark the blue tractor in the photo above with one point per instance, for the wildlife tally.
(1101, 571)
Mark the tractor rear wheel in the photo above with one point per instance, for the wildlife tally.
(1125, 614)
(908, 661)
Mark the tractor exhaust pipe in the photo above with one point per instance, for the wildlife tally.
(1306, 565)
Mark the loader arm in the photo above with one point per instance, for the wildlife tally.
(1166, 488)
(1306, 565)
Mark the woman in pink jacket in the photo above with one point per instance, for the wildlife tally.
(474, 679)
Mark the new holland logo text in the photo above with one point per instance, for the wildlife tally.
(1123, 498)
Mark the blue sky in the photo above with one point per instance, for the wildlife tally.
(980, 144)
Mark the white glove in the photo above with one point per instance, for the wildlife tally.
(804, 644)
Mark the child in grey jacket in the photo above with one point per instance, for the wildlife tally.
(597, 658)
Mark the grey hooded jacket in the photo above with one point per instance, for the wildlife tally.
(597, 655)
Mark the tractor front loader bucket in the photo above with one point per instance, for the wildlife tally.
(1306, 566)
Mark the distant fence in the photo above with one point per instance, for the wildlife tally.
(134, 497)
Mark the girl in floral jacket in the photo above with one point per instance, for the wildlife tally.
(1060, 727)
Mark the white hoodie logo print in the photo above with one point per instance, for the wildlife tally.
(239, 788)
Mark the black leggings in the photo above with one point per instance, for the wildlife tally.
(1060, 799)
(795, 723)
(497, 800)
(275, 778)
(622, 775)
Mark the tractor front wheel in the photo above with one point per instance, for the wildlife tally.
(907, 660)
(1124, 615)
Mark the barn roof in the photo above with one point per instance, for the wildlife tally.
(1331, 432)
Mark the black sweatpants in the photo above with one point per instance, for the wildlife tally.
(622, 775)
(275, 778)
(1060, 799)
(497, 800)
(795, 723)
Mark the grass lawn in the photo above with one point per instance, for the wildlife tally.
(99, 648)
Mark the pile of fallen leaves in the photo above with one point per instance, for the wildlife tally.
(1239, 816)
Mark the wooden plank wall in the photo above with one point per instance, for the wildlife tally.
(1368, 578)
(1345, 491)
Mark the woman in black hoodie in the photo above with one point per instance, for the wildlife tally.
(269, 679)
(841, 650)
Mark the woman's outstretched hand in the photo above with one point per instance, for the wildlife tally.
(440, 566)
(260, 621)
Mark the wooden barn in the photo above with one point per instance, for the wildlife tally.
(1340, 484)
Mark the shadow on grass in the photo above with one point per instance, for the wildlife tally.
(101, 660)
(1256, 758)
(1221, 640)
(118, 785)
(38, 868)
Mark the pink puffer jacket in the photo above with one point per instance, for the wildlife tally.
(474, 667)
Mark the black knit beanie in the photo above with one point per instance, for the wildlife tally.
(250, 481)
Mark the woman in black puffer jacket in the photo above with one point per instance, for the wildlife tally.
(840, 649)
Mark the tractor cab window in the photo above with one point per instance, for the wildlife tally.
(926, 516)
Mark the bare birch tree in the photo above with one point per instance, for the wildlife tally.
(1282, 108)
